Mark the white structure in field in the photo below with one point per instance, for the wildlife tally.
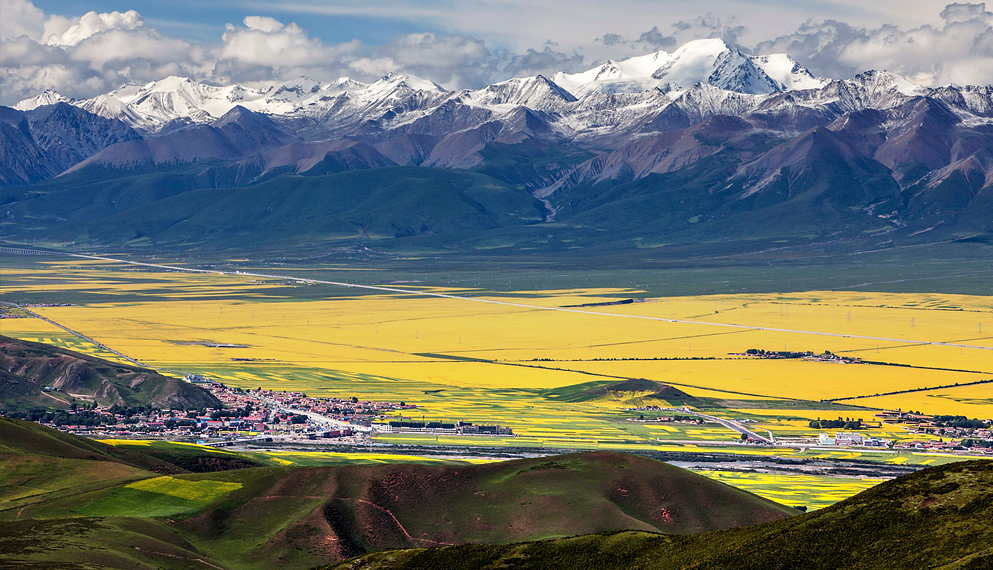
(841, 439)
(847, 439)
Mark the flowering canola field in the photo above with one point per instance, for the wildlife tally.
(534, 360)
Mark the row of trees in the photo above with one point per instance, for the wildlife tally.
(846, 423)
(781, 353)
(961, 422)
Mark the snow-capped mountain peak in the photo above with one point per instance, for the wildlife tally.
(709, 61)
(653, 92)
(632, 75)
(49, 97)
(714, 62)
(393, 81)
(787, 72)
(538, 92)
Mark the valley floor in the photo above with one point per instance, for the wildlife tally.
(555, 364)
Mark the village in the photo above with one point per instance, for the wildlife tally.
(258, 414)
(254, 413)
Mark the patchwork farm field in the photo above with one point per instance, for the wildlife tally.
(811, 491)
(541, 361)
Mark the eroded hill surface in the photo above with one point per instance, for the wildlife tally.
(69, 502)
(934, 519)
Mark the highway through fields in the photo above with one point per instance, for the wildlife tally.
(402, 291)
(730, 424)
(318, 418)
(76, 333)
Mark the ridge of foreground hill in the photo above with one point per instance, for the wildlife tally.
(27, 368)
(59, 511)
(937, 518)
(20, 438)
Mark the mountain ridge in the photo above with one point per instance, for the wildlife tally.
(736, 134)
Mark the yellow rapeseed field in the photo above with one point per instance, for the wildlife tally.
(528, 367)
(811, 491)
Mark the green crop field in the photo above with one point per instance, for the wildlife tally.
(158, 497)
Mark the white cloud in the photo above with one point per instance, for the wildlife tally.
(268, 42)
(960, 50)
(57, 25)
(431, 50)
(88, 25)
(20, 18)
(450, 60)
(263, 24)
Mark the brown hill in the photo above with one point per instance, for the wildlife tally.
(300, 517)
(937, 518)
(27, 368)
(359, 509)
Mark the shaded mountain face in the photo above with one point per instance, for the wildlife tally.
(41, 143)
(27, 368)
(708, 136)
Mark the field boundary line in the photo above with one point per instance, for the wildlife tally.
(77, 334)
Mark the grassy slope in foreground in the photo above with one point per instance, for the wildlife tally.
(375, 204)
(299, 517)
(938, 518)
(40, 466)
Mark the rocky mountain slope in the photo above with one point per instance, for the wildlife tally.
(27, 368)
(43, 142)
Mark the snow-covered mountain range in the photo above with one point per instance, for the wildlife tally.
(753, 129)
(176, 100)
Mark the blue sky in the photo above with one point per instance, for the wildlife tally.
(203, 21)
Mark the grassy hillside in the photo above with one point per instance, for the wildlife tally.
(69, 501)
(171, 207)
(22, 439)
(818, 202)
(937, 518)
(26, 368)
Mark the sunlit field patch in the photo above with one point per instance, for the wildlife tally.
(307, 459)
(158, 496)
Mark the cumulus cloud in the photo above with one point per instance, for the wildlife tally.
(88, 25)
(20, 18)
(450, 60)
(958, 51)
(96, 53)
(265, 49)
(269, 43)
(544, 62)
(263, 24)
